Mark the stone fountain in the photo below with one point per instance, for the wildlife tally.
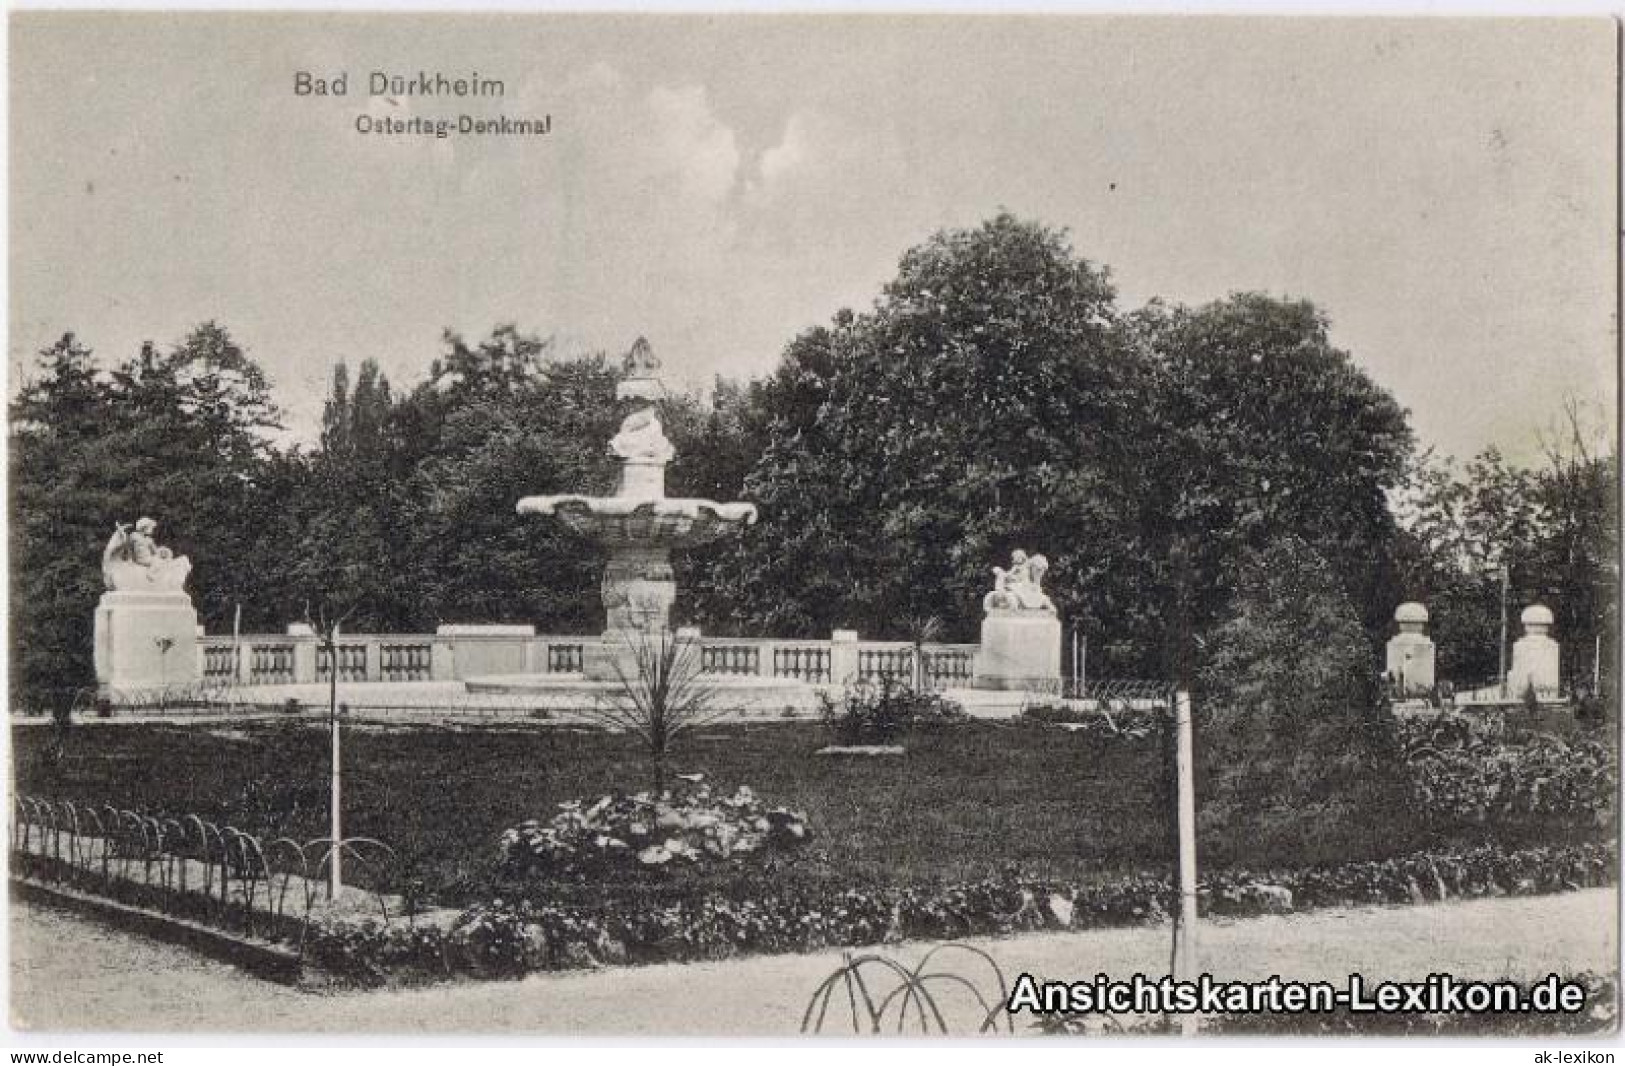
(639, 525)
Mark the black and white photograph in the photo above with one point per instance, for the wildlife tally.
(1059, 528)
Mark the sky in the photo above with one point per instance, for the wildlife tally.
(1444, 189)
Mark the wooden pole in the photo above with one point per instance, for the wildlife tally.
(236, 646)
(1506, 583)
(1596, 667)
(1185, 966)
(1077, 679)
(335, 879)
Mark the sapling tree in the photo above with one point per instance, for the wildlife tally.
(659, 694)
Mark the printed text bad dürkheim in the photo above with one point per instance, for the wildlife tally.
(395, 87)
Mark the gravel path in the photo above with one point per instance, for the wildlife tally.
(72, 974)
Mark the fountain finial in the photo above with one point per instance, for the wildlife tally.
(642, 369)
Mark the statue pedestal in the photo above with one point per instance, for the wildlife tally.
(145, 640)
(1020, 650)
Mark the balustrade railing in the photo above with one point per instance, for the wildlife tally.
(301, 658)
(270, 664)
(803, 662)
(730, 659)
(406, 662)
(891, 661)
(352, 662)
(220, 662)
(565, 658)
(949, 666)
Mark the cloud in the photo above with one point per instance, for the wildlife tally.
(692, 144)
(792, 151)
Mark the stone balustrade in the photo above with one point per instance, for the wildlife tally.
(457, 653)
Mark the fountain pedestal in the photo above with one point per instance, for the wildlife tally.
(638, 590)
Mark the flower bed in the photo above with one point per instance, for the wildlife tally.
(506, 938)
(680, 828)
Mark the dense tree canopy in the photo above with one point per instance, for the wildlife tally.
(180, 435)
(986, 403)
(1265, 431)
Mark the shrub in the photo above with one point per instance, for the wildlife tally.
(1294, 729)
(676, 829)
(878, 712)
(1470, 770)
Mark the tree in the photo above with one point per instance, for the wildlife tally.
(182, 435)
(61, 486)
(1266, 431)
(1578, 558)
(1461, 527)
(660, 695)
(1294, 732)
(353, 510)
(544, 432)
(1554, 528)
(986, 403)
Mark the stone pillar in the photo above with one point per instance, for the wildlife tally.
(1410, 660)
(145, 640)
(304, 660)
(443, 660)
(1535, 656)
(843, 656)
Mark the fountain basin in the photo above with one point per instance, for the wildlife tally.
(647, 522)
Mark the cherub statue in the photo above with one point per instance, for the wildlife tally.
(134, 561)
(1019, 588)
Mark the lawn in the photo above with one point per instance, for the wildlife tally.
(968, 801)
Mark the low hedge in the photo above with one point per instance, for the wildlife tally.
(509, 938)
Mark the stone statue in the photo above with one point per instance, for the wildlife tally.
(642, 439)
(1019, 588)
(134, 562)
(640, 378)
(641, 361)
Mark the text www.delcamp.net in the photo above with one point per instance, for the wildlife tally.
(89, 1058)
(1440, 993)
